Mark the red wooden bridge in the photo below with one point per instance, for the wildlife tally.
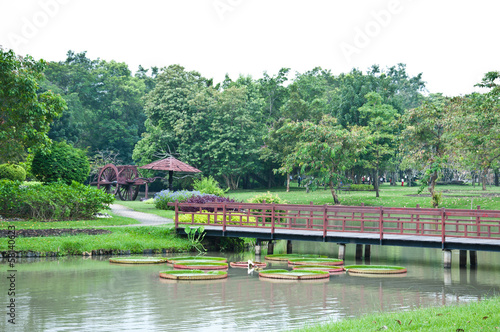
(446, 229)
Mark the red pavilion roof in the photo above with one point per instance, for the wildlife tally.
(171, 164)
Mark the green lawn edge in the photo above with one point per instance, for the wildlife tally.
(474, 316)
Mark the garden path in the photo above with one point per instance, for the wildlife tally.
(145, 219)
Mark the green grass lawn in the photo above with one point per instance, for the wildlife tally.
(454, 197)
(135, 239)
(100, 222)
(476, 316)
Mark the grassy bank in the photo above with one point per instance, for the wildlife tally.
(476, 316)
(135, 239)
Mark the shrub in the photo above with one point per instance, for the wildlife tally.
(361, 187)
(62, 163)
(12, 172)
(208, 185)
(56, 201)
(166, 196)
(201, 199)
(268, 198)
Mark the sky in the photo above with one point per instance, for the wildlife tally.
(452, 43)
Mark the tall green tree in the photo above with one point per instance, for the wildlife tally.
(324, 150)
(476, 126)
(426, 140)
(25, 111)
(381, 122)
(105, 107)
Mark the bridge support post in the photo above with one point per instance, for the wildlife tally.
(447, 259)
(359, 251)
(368, 251)
(258, 247)
(270, 247)
(341, 251)
(463, 258)
(288, 246)
(473, 258)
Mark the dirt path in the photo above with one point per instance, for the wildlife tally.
(146, 219)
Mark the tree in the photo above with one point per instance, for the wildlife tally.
(62, 162)
(381, 122)
(105, 107)
(476, 124)
(426, 140)
(324, 150)
(273, 91)
(25, 113)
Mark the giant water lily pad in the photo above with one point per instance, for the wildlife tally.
(315, 261)
(375, 269)
(286, 257)
(294, 274)
(197, 258)
(138, 260)
(246, 264)
(193, 275)
(328, 268)
(197, 265)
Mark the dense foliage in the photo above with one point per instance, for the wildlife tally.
(26, 112)
(208, 185)
(202, 199)
(56, 201)
(12, 172)
(331, 129)
(61, 163)
(105, 108)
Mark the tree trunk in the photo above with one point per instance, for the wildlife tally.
(432, 186)
(334, 195)
(496, 178)
(483, 175)
(376, 183)
(287, 182)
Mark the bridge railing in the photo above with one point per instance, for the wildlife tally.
(458, 223)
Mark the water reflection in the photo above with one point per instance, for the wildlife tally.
(75, 293)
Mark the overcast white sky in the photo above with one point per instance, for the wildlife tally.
(453, 43)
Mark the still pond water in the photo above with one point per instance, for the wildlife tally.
(90, 294)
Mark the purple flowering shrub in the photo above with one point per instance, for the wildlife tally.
(200, 199)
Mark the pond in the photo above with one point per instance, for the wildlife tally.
(90, 294)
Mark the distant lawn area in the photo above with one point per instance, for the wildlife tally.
(454, 196)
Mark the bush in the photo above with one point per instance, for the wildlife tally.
(56, 201)
(62, 163)
(268, 198)
(361, 187)
(12, 172)
(166, 196)
(201, 199)
(208, 186)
